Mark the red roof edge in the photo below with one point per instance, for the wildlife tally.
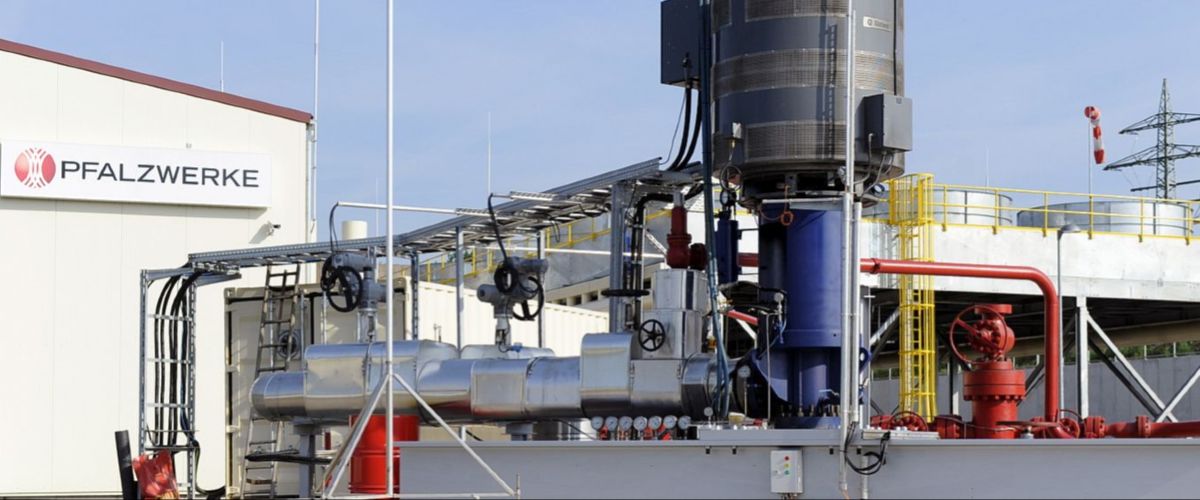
(155, 81)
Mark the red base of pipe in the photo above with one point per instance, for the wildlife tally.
(368, 464)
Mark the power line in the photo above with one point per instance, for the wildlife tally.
(1165, 152)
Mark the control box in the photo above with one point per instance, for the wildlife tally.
(681, 39)
(888, 122)
(786, 472)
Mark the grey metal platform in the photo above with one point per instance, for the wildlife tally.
(1105, 468)
(578, 200)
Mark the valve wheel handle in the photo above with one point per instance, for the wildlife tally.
(980, 310)
(651, 335)
(909, 420)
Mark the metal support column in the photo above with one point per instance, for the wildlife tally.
(1187, 387)
(1162, 409)
(621, 194)
(1082, 355)
(414, 290)
(541, 321)
(954, 386)
(458, 286)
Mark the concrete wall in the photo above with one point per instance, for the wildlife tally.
(1105, 266)
(70, 310)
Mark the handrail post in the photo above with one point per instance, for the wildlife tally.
(1045, 214)
(1141, 220)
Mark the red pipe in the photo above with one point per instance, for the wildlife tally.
(1049, 296)
(1144, 428)
(753, 321)
(748, 259)
(678, 240)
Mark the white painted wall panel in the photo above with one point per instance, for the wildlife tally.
(71, 362)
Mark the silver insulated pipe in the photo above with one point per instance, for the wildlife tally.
(615, 374)
(606, 380)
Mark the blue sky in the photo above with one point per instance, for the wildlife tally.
(573, 89)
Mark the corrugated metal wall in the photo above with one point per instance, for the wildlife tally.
(1108, 397)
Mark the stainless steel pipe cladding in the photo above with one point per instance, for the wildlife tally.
(605, 381)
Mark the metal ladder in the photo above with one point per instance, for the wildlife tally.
(278, 341)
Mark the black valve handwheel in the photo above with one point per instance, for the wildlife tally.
(651, 335)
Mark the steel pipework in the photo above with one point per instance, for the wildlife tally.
(1044, 283)
(1145, 427)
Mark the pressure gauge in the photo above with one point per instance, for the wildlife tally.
(625, 423)
(639, 424)
(670, 421)
(708, 412)
(685, 422)
(610, 423)
(655, 422)
(597, 423)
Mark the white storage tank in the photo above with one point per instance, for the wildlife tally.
(1126, 216)
(979, 207)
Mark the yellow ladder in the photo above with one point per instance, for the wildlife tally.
(910, 202)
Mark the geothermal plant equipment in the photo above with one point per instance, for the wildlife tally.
(724, 384)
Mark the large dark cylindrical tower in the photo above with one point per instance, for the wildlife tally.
(779, 86)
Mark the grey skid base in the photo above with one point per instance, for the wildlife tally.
(709, 468)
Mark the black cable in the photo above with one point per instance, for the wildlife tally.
(880, 456)
(332, 231)
(695, 139)
(191, 436)
(342, 276)
(687, 124)
(160, 310)
(496, 228)
(526, 315)
(178, 352)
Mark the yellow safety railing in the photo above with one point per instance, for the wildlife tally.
(1009, 209)
(910, 202)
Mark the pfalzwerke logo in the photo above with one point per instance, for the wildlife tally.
(35, 167)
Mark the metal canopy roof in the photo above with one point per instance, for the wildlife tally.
(578, 200)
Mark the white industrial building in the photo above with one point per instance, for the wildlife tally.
(106, 172)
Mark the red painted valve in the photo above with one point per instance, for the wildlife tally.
(989, 334)
(993, 386)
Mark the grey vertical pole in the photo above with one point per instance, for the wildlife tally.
(849, 352)
(1061, 335)
(541, 254)
(389, 359)
(415, 291)
(145, 283)
(954, 383)
(1082, 355)
(458, 285)
(616, 235)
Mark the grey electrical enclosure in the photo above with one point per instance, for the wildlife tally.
(888, 124)
(680, 42)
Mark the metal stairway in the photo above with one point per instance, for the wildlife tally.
(279, 340)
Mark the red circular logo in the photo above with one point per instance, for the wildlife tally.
(35, 167)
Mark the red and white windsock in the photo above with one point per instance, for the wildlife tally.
(1093, 114)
